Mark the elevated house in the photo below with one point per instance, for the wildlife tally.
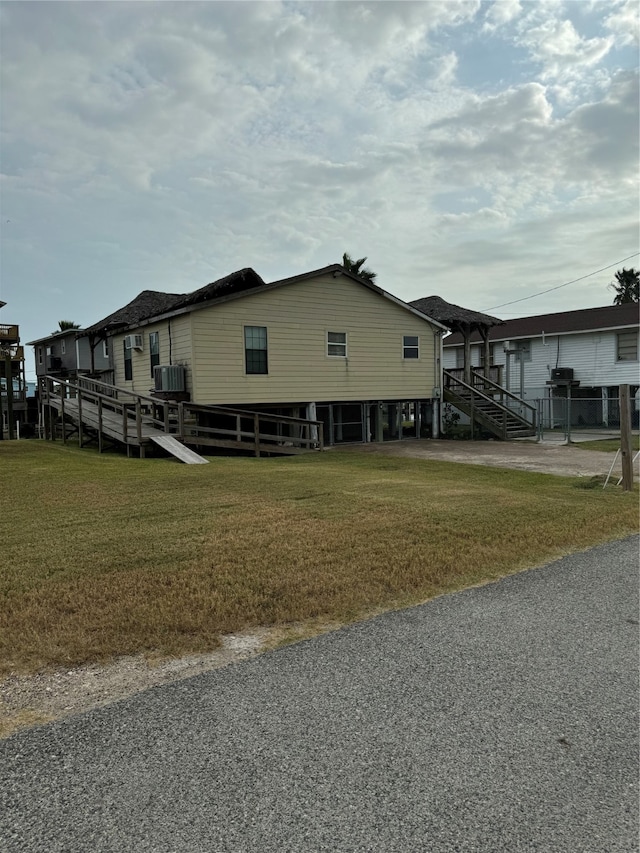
(13, 385)
(325, 345)
(68, 354)
(585, 355)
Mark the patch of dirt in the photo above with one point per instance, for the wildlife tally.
(566, 460)
(27, 700)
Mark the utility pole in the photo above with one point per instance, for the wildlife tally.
(625, 438)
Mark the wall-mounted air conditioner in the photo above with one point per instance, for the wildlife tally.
(562, 374)
(133, 342)
(169, 377)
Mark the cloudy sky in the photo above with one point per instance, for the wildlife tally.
(482, 151)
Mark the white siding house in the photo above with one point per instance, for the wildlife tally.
(595, 349)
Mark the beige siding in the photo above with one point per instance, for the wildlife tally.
(297, 318)
(175, 348)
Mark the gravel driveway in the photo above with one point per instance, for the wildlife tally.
(567, 460)
(500, 718)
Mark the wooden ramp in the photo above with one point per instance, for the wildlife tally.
(184, 454)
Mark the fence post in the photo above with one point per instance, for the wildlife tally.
(625, 438)
(181, 419)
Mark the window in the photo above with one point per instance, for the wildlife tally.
(63, 347)
(410, 346)
(255, 349)
(154, 350)
(459, 357)
(105, 348)
(337, 344)
(128, 366)
(523, 350)
(627, 346)
(40, 355)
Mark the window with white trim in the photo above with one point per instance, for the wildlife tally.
(410, 346)
(627, 346)
(337, 344)
(105, 348)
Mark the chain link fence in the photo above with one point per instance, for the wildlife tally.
(560, 416)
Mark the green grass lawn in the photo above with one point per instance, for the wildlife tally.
(608, 445)
(105, 556)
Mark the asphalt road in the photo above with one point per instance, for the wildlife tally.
(502, 718)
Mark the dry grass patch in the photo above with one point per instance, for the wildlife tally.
(106, 556)
(609, 445)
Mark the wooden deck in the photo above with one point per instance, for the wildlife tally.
(101, 412)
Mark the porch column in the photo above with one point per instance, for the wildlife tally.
(467, 355)
(487, 352)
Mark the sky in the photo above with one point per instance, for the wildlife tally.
(481, 151)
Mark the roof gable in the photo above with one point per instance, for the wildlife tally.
(151, 304)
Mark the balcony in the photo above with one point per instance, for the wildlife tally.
(9, 334)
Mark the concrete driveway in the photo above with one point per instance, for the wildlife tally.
(567, 460)
(501, 718)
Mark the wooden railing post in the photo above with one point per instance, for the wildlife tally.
(138, 420)
(100, 424)
(125, 424)
(79, 419)
(181, 419)
(256, 430)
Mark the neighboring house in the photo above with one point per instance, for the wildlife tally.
(324, 345)
(65, 355)
(13, 385)
(586, 353)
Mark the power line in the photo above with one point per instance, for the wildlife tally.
(558, 286)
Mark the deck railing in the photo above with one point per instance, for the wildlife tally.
(191, 423)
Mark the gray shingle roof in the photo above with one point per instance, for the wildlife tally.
(151, 303)
(582, 320)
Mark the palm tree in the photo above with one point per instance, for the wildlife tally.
(627, 287)
(67, 325)
(357, 268)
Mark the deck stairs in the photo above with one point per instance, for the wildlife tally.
(106, 414)
(490, 405)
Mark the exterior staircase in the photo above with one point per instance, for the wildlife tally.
(490, 405)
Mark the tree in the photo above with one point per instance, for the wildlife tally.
(626, 286)
(67, 325)
(357, 268)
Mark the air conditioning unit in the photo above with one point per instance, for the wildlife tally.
(562, 374)
(133, 342)
(169, 377)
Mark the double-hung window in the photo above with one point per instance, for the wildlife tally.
(337, 344)
(627, 346)
(255, 349)
(410, 346)
(154, 350)
(128, 363)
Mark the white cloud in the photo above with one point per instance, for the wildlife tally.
(624, 22)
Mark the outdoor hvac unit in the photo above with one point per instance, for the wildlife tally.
(133, 342)
(562, 374)
(168, 377)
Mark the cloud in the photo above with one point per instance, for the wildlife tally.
(561, 51)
